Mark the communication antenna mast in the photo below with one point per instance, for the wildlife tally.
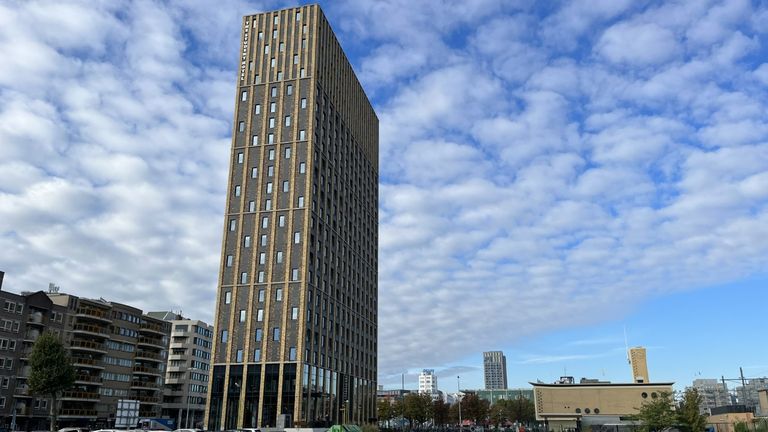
(626, 345)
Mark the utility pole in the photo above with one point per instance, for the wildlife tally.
(458, 396)
(743, 386)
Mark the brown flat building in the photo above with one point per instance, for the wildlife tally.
(118, 354)
(296, 314)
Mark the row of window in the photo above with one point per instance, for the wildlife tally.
(111, 376)
(11, 325)
(8, 344)
(196, 376)
(6, 363)
(201, 354)
(198, 388)
(202, 342)
(122, 331)
(13, 307)
(273, 105)
(257, 355)
(260, 312)
(106, 391)
(119, 346)
(203, 331)
(261, 276)
(118, 361)
(196, 364)
(126, 317)
(247, 243)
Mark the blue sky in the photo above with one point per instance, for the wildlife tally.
(551, 172)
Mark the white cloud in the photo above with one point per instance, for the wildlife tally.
(564, 163)
(638, 44)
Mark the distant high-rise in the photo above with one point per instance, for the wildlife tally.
(428, 382)
(495, 367)
(713, 392)
(639, 364)
(296, 316)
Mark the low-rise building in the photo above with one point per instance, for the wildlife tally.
(563, 406)
(725, 418)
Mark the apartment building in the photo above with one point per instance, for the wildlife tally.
(188, 368)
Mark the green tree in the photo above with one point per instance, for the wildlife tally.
(521, 409)
(498, 412)
(384, 410)
(440, 412)
(741, 427)
(688, 412)
(472, 407)
(417, 408)
(453, 413)
(657, 414)
(51, 371)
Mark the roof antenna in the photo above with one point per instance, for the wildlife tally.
(626, 345)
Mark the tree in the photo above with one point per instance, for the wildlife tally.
(417, 408)
(658, 413)
(384, 410)
(521, 409)
(498, 412)
(472, 407)
(440, 412)
(51, 371)
(689, 414)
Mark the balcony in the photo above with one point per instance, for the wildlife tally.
(144, 370)
(69, 412)
(85, 345)
(151, 342)
(138, 384)
(35, 319)
(92, 330)
(22, 391)
(87, 362)
(93, 313)
(149, 355)
(149, 412)
(31, 335)
(80, 395)
(152, 327)
(88, 379)
(149, 400)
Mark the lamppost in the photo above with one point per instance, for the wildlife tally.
(458, 396)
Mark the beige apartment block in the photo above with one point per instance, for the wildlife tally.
(187, 370)
(296, 313)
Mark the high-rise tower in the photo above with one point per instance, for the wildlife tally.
(296, 319)
(639, 364)
(495, 368)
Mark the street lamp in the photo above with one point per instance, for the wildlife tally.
(458, 396)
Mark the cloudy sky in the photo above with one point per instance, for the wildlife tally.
(551, 172)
